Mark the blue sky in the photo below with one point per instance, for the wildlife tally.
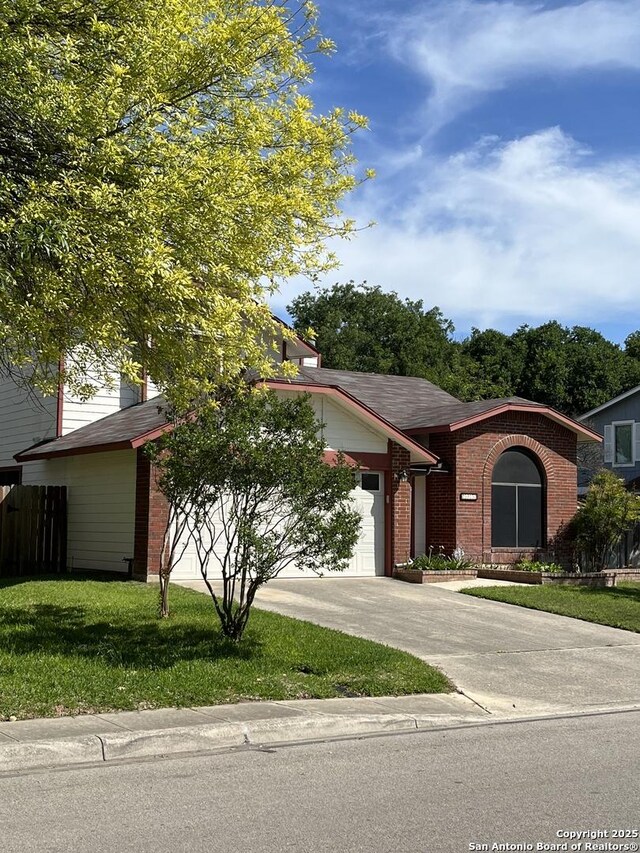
(506, 141)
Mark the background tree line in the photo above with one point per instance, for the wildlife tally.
(360, 327)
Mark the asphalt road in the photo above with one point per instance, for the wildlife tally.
(432, 792)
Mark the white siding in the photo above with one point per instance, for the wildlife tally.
(101, 495)
(345, 431)
(106, 401)
(25, 419)
(152, 388)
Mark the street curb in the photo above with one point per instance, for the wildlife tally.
(50, 753)
(125, 745)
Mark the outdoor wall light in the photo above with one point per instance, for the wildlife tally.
(403, 476)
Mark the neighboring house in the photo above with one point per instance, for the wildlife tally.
(496, 478)
(618, 422)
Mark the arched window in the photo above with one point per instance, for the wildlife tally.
(516, 501)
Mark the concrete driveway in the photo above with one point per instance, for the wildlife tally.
(507, 659)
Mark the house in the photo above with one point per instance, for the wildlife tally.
(618, 422)
(496, 477)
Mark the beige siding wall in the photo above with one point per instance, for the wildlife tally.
(101, 492)
(25, 419)
(344, 431)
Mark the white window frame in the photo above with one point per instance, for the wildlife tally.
(614, 425)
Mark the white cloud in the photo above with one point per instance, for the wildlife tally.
(531, 228)
(467, 48)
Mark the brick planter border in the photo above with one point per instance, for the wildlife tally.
(625, 574)
(596, 579)
(426, 576)
(510, 575)
(579, 579)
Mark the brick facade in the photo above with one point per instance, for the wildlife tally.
(470, 455)
(150, 522)
(400, 506)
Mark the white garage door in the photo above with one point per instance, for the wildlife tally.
(368, 558)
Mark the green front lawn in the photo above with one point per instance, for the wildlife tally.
(618, 606)
(82, 646)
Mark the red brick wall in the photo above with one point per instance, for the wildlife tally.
(471, 454)
(150, 522)
(400, 506)
(441, 495)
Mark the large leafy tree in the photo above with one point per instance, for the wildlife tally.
(364, 328)
(160, 166)
(497, 363)
(360, 327)
(573, 369)
(247, 484)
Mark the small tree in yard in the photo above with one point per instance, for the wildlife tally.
(607, 514)
(248, 482)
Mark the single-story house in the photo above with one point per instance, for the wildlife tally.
(496, 478)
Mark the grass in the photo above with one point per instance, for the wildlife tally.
(617, 606)
(84, 646)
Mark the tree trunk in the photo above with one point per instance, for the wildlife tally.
(164, 596)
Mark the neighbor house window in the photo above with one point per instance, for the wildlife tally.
(516, 501)
(623, 444)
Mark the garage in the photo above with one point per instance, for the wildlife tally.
(368, 558)
(368, 496)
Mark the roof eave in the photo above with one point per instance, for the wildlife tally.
(584, 433)
(610, 402)
(25, 456)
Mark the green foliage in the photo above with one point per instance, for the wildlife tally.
(249, 478)
(360, 327)
(497, 361)
(607, 514)
(440, 562)
(573, 369)
(80, 647)
(158, 164)
(525, 565)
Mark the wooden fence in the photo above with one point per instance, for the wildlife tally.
(33, 530)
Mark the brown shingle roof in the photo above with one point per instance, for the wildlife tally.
(433, 416)
(116, 431)
(395, 398)
(407, 403)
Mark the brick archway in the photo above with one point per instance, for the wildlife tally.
(541, 454)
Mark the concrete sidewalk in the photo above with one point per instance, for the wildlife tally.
(90, 738)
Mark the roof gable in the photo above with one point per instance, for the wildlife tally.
(611, 402)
